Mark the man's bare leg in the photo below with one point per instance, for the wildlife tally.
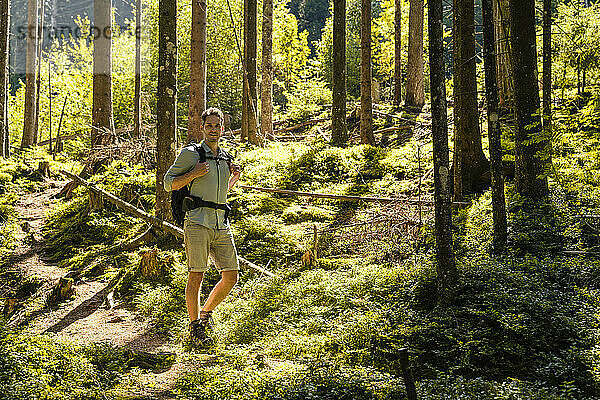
(221, 290)
(192, 289)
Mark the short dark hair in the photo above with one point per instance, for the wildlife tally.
(212, 111)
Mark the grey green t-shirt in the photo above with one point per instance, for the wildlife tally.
(210, 187)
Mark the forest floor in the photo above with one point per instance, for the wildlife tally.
(88, 317)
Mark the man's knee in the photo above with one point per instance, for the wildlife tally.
(230, 277)
(195, 278)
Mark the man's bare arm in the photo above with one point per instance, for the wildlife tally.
(199, 170)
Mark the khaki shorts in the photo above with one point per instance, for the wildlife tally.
(200, 242)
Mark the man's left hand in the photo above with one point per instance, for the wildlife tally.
(235, 170)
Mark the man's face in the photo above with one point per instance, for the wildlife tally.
(212, 128)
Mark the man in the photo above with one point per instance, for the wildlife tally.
(206, 227)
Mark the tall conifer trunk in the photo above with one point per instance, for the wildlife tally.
(197, 98)
(266, 98)
(30, 75)
(491, 91)
(503, 52)
(102, 112)
(166, 115)
(531, 150)
(366, 101)
(415, 91)
(445, 265)
(469, 161)
(4, 29)
(339, 129)
(398, 53)
(137, 97)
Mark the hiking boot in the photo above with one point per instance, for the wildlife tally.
(198, 330)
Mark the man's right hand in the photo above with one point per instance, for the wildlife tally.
(200, 169)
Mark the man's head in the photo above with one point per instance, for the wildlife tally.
(212, 124)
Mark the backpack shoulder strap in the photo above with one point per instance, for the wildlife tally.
(200, 150)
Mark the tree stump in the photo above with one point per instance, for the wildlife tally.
(62, 291)
(95, 201)
(149, 263)
(44, 169)
(9, 307)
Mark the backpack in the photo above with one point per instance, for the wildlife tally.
(177, 196)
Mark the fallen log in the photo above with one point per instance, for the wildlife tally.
(65, 137)
(344, 197)
(391, 129)
(133, 210)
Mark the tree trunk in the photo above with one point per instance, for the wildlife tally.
(245, 88)
(4, 24)
(137, 97)
(250, 39)
(531, 156)
(469, 161)
(102, 114)
(197, 98)
(366, 102)
(398, 53)
(30, 75)
(503, 52)
(446, 268)
(266, 98)
(415, 91)
(547, 65)
(339, 129)
(38, 85)
(491, 91)
(166, 116)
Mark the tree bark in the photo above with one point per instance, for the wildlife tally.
(415, 91)
(366, 101)
(398, 53)
(250, 39)
(339, 129)
(197, 98)
(491, 91)
(4, 30)
(102, 114)
(469, 161)
(30, 75)
(245, 87)
(266, 98)
(547, 65)
(445, 265)
(503, 52)
(137, 97)
(166, 116)
(38, 85)
(531, 150)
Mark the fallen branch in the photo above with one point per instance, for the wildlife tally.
(345, 197)
(391, 129)
(66, 137)
(157, 222)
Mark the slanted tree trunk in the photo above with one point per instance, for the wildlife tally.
(249, 107)
(266, 98)
(197, 98)
(531, 150)
(366, 102)
(491, 92)
(166, 115)
(102, 115)
(398, 53)
(469, 161)
(137, 97)
(503, 52)
(339, 129)
(4, 24)
(30, 75)
(415, 91)
(445, 265)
